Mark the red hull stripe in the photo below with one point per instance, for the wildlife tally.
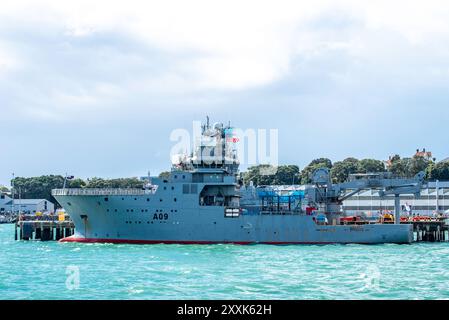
(128, 241)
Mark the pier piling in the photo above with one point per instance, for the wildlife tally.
(43, 230)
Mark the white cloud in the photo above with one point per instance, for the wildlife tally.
(8, 60)
(238, 44)
(67, 59)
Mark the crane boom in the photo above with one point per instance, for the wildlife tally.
(330, 196)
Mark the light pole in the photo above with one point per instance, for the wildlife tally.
(65, 181)
(67, 177)
(12, 194)
(437, 196)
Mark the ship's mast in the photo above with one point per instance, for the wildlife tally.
(215, 150)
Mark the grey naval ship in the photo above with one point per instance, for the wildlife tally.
(203, 201)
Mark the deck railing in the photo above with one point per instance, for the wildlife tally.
(100, 192)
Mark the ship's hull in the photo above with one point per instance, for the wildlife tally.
(133, 220)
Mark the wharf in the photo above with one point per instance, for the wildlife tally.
(430, 231)
(426, 230)
(44, 230)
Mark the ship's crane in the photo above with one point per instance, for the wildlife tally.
(331, 196)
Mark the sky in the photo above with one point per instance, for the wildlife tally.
(94, 88)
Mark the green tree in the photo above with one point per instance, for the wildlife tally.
(430, 170)
(342, 169)
(76, 183)
(417, 164)
(269, 175)
(400, 167)
(441, 171)
(312, 166)
(258, 175)
(37, 187)
(286, 175)
(164, 175)
(371, 166)
(3, 189)
(124, 183)
(396, 157)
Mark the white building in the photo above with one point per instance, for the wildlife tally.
(3, 200)
(431, 200)
(29, 206)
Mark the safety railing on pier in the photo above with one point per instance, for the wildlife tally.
(101, 192)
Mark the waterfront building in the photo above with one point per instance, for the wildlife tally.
(29, 206)
(433, 199)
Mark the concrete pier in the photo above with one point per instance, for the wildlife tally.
(431, 231)
(43, 230)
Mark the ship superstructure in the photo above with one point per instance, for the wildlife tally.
(202, 202)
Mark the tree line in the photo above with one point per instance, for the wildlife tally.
(40, 187)
(340, 170)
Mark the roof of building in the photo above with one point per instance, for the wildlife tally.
(28, 201)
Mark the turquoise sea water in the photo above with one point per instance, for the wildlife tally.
(51, 270)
